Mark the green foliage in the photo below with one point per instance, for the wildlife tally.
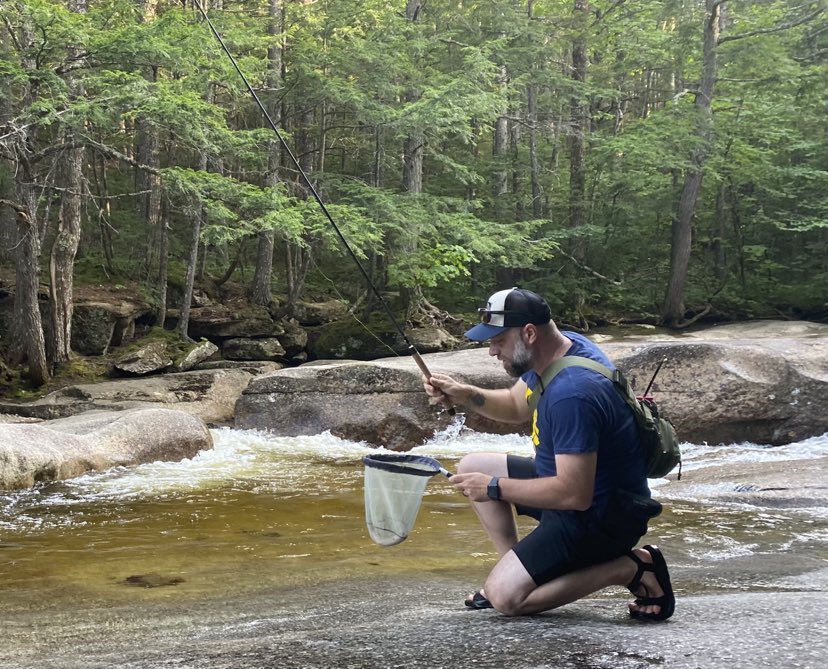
(359, 78)
(233, 209)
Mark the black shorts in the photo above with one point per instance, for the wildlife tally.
(565, 541)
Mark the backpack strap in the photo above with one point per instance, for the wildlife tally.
(657, 435)
(551, 372)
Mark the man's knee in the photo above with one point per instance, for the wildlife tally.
(504, 601)
(466, 464)
(485, 463)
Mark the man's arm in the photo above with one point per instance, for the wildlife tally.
(506, 405)
(571, 489)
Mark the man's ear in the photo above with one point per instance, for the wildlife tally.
(529, 333)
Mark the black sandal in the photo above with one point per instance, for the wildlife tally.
(478, 601)
(667, 601)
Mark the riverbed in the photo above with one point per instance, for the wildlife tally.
(260, 545)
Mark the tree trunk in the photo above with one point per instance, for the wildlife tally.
(192, 260)
(413, 146)
(28, 340)
(262, 293)
(682, 227)
(163, 266)
(147, 143)
(62, 259)
(413, 151)
(534, 163)
(298, 256)
(192, 263)
(500, 145)
(263, 275)
(68, 234)
(28, 320)
(579, 114)
(413, 163)
(8, 226)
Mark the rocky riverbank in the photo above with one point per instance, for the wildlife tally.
(764, 383)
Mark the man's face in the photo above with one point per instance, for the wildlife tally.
(512, 351)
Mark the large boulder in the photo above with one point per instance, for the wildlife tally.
(381, 402)
(318, 313)
(195, 355)
(224, 322)
(263, 348)
(149, 358)
(50, 451)
(766, 383)
(209, 394)
(354, 340)
(97, 325)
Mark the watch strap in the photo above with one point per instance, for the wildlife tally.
(493, 489)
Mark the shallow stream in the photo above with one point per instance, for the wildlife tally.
(259, 512)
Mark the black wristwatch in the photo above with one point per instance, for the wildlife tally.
(493, 489)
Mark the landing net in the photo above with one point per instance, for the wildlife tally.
(394, 487)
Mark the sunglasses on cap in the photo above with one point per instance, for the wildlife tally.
(486, 314)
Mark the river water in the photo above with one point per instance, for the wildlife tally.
(260, 512)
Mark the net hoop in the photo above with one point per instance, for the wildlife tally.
(400, 463)
(394, 487)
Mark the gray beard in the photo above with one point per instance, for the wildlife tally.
(521, 362)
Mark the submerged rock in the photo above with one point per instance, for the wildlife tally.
(152, 580)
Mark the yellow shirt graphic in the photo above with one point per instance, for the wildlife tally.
(535, 432)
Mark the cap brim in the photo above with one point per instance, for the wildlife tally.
(484, 331)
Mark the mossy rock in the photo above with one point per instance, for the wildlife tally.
(351, 340)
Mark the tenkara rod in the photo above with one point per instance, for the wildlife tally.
(655, 373)
(312, 189)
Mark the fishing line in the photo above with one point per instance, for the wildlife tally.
(352, 310)
(411, 348)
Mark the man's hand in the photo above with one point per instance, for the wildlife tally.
(505, 405)
(442, 389)
(473, 485)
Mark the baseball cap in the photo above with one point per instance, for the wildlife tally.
(510, 308)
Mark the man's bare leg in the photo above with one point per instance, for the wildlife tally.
(512, 591)
(497, 518)
(515, 591)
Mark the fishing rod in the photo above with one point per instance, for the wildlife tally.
(653, 378)
(312, 189)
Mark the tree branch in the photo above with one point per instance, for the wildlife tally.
(19, 209)
(112, 153)
(588, 269)
(771, 31)
(701, 314)
(615, 5)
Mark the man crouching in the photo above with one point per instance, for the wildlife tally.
(586, 485)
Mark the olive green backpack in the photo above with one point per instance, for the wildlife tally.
(657, 434)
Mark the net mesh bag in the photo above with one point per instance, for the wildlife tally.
(394, 487)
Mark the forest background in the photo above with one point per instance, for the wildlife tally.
(630, 160)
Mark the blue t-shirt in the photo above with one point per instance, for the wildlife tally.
(582, 412)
